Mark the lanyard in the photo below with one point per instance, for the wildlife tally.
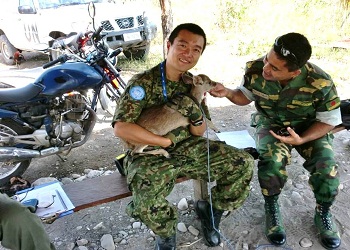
(163, 80)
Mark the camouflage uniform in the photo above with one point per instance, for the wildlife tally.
(304, 100)
(151, 178)
(20, 228)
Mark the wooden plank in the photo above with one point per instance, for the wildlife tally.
(95, 191)
(99, 190)
(200, 188)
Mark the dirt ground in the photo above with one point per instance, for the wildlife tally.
(242, 229)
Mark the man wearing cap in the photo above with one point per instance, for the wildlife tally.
(297, 106)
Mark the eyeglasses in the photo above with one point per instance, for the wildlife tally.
(44, 201)
(278, 47)
(47, 201)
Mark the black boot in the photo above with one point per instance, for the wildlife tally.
(211, 234)
(324, 223)
(274, 229)
(168, 243)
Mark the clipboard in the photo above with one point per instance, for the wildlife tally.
(53, 201)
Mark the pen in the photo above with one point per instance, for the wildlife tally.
(61, 200)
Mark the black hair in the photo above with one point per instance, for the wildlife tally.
(298, 46)
(191, 27)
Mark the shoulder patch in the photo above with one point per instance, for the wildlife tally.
(333, 104)
(137, 93)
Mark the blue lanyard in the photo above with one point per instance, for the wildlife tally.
(163, 81)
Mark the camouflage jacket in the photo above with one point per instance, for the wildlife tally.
(309, 97)
(145, 90)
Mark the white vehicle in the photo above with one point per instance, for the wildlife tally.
(33, 25)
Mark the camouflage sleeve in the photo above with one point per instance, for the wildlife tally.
(132, 101)
(185, 105)
(325, 95)
(328, 98)
(246, 83)
(253, 70)
(328, 108)
(248, 93)
(177, 135)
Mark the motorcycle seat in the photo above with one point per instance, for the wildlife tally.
(20, 94)
(21, 77)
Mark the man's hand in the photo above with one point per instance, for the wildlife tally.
(234, 95)
(218, 91)
(186, 106)
(292, 139)
(315, 131)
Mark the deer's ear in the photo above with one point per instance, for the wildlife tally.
(204, 78)
(197, 80)
(187, 78)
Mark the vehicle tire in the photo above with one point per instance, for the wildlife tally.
(7, 50)
(137, 54)
(10, 168)
(108, 101)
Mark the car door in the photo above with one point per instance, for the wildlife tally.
(33, 32)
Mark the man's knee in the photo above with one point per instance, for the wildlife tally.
(10, 208)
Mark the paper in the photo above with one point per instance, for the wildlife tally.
(52, 200)
(238, 139)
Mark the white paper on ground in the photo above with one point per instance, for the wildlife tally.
(238, 139)
(48, 193)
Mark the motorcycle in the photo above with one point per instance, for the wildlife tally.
(80, 45)
(57, 112)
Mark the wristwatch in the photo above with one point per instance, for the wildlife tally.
(197, 123)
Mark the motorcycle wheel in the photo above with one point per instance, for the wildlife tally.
(10, 168)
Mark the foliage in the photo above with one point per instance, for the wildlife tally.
(137, 65)
(247, 29)
(231, 13)
(250, 26)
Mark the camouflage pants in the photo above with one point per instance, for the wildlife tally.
(319, 161)
(152, 178)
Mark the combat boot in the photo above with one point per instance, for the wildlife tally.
(324, 223)
(210, 232)
(168, 243)
(274, 229)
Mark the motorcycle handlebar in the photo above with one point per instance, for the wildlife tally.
(63, 58)
(115, 52)
(97, 33)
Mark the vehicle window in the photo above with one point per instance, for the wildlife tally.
(26, 3)
(46, 4)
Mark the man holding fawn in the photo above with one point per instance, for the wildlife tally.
(151, 178)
